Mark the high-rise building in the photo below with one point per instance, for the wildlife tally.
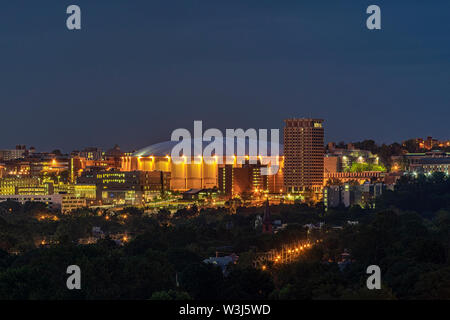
(303, 155)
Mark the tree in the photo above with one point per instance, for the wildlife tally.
(202, 281)
(170, 295)
(248, 284)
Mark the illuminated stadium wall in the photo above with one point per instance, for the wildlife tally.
(185, 176)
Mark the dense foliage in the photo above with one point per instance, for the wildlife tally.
(407, 235)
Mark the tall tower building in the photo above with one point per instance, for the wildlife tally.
(303, 155)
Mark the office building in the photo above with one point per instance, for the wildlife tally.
(17, 153)
(128, 187)
(56, 202)
(303, 155)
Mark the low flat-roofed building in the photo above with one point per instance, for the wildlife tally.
(198, 194)
(88, 191)
(9, 184)
(7, 155)
(128, 187)
(53, 201)
(58, 202)
(71, 202)
(430, 165)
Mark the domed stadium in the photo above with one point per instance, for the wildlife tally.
(205, 174)
(163, 149)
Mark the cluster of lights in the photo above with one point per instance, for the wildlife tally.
(48, 217)
(293, 251)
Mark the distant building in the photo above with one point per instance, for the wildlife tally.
(341, 160)
(360, 177)
(245, 178)
(429, 162)
(93, 159)
(92, 153)
(88, 191)
(198, 194)
(127, 187)
(351, 164)
(24, 185)
(36, 164)
(348, 195)
(61, 202)
(430, 143)
(332, 164)
(303, 155)
(71, 202)
(391, 178)
(17, 153)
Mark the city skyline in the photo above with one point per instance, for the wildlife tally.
(220, 158)
(107, 146)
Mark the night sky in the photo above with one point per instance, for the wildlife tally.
(140, 69)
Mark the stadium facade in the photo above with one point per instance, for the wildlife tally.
(228, 176)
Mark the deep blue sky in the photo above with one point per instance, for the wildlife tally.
(140, 69)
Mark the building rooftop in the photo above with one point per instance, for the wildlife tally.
(163, 149)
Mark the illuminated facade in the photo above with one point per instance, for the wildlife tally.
(129, 187)
(88, 191)
(23, 185)
(247, 178)
(359, 177)
(93, 159)
(430, 143)
(304, 155)
(2, 170)
(7, 155)
(38, 164)
(185, 176)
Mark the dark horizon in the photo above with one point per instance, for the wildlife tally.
(137, 71)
